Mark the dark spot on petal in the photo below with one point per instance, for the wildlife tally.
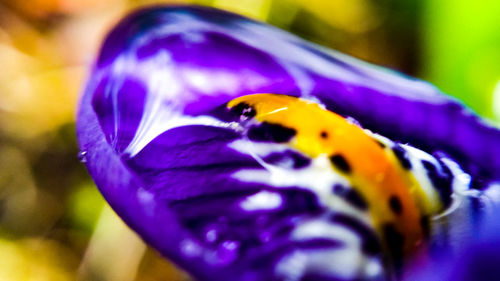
(395, 205)
(324, 134)
(288, 159)
(244, 111)
(340, 163)
(299, 202)
(381, 144)
(271, 132)
(428, 166)
(319, 243)
(370, 243)
(478, 183)
(395, 243)
(442, 180)
(351, 196)
(425, 224)
(401, 155)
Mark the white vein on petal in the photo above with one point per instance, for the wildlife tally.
(165, 80)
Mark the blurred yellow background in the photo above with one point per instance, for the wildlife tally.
(54, 225)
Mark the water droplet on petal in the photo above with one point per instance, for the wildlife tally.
(211, 235)
(82, 156)
(231, 245)
(190, 248)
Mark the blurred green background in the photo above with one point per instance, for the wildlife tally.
(54, 225)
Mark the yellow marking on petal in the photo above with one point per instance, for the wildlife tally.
(373, 173)
(428, 204)
(424, 202)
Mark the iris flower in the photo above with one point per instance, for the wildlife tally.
(164, 149)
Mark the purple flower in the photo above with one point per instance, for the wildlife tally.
(152, 124)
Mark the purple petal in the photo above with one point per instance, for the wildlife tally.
(475, 255)
(148, 121)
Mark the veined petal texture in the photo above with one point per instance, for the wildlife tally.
(165, 153)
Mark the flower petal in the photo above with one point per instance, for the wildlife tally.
(153, 125)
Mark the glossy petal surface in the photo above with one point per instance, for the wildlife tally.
(155, 130)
